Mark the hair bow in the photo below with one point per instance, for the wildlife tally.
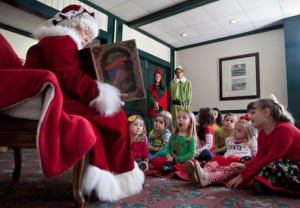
(273, 98)
(245, 117)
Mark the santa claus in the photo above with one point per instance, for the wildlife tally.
(111, 173)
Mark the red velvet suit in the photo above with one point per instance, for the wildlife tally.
(108, 137)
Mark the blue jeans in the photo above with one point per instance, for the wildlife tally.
(205, 155)
(138, 160)
(221, 152)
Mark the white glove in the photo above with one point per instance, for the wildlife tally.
(108, 101)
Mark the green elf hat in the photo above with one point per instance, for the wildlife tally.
(179, 67)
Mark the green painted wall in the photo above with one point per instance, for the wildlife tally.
(292, 52)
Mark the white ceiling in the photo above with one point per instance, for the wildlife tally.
(205, 23)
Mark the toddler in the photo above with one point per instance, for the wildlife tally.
(159, 136)
(139, 141)
(181, 146)
(243, 144)
(205, 142)
(217, 119)
(224, 132)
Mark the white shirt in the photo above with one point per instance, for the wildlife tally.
(241, 149)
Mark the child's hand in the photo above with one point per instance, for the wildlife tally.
(169, 158)
(237, 167)
(233, 183)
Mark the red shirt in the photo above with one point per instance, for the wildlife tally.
(140, 149)
(282, 142)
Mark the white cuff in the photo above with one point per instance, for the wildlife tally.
(108, 101)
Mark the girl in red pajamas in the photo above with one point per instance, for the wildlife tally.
(277, 163)
(242, 144)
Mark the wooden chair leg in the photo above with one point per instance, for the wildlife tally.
(77, 179)
(18, 163)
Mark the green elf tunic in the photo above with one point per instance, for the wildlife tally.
(180, 95)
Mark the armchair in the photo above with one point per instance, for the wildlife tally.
(20, 128)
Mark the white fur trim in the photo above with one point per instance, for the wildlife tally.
(108, 101)
(58, 30)
(30, 108)
(110, 187)
(183, 79)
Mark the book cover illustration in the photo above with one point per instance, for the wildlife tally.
(118, 64)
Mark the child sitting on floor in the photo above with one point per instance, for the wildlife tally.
(139, 141)
(205, 142)
(242, 144)
(276, 167)
(159, 136)
(224, 132)
(181, 146)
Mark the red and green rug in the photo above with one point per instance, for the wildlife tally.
(34, 190)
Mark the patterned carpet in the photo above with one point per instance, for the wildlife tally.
(34, 190)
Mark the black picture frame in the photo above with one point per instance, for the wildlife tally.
(239, 77)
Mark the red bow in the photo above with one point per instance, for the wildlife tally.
(245, 117)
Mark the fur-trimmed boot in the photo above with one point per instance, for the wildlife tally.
(110, 187)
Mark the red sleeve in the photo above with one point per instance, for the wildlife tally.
(270, 148)
(163, 100)
(61, 56)
(145, 150)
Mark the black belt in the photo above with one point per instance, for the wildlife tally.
(180, 102)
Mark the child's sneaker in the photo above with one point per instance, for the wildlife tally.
(202, 176)
(143, 166)
(189, 169)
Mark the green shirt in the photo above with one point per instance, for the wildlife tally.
(220, 137)
(182, 148)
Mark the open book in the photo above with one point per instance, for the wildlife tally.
(117, 64)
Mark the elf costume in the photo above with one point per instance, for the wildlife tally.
(180, 94)
(155, 93)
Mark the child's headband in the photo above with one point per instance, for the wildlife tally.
(132, 118)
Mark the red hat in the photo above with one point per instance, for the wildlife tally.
(70, 12)
(158, 70)
(76, 13)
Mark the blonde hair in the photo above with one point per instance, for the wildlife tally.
(192, 128)
(249, 129)
(132, 119)
(230, 114)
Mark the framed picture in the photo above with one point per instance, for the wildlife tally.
(239, 77)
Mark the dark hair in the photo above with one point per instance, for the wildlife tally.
(277, 110)
(167, 120)
(219, 119)
(161, 83)
(206, 118)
